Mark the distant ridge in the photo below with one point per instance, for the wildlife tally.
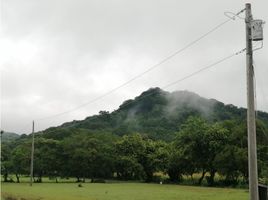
(158, 114)
(8, 136)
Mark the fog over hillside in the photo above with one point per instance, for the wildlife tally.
(58, 55)
(159, 114)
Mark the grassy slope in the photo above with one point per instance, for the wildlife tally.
(120, 191)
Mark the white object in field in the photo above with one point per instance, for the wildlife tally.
(160, 182)
(257, 30)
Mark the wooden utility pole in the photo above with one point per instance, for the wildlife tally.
(251, 123)
(32, 157)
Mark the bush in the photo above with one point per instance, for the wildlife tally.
(98, 181)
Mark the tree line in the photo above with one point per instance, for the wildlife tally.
(200, 147)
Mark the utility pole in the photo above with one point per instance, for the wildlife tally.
(32, 157)
(251, 123)
(2, 132)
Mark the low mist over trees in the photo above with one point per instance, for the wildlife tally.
(175, 134)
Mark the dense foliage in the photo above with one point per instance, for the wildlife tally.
(179, 134)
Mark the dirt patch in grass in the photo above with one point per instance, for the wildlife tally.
(6, 196)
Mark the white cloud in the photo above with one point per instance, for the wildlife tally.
(56, 55)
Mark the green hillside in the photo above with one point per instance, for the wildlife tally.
(158, 114)
(158, 136)
(8, 136)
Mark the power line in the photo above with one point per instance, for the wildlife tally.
(183, 78)
(191, 74)
(256, 99)
(204, 68)
(148, 70)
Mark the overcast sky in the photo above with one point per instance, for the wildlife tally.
(58, 54)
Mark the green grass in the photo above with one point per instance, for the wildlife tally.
(118, 191)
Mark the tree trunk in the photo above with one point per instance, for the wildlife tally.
(201, 178)
(5, 177)
(192, 178)
(149, 176)
(173, 175)
(211, 177)
(39, 179)
(18, 178)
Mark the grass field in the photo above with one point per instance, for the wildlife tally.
(118, 191)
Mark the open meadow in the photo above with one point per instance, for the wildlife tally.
(117, 191)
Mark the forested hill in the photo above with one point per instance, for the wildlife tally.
(178, 134)
(156, 113)
(8, 136)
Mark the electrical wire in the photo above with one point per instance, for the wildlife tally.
(257, 85)
(182, 79)
(232, 15)
(190, 75)
(143, 73)
(255, 98)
